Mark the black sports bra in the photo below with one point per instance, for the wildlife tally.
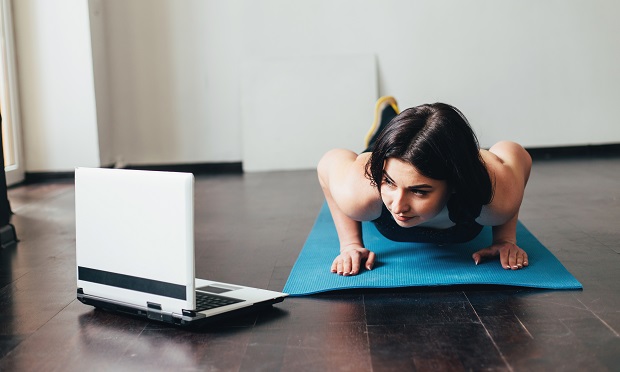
(466, 227)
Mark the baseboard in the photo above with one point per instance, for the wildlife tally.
(195, 168)
(570, 152)
(42, 177)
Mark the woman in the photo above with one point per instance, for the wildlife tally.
(425, 180)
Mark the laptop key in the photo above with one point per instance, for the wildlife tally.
(207, 301)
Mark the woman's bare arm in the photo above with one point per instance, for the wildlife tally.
(509, 165)
(351, 199)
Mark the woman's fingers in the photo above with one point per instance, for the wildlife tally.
(370, 261)
(350, 262)
(511, 257)
(347, 265)
(521, 258)
(525, 261)
(355, 263)
(504, 258)
(334, 268)
(342, 265)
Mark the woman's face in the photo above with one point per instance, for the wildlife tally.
(411, 197)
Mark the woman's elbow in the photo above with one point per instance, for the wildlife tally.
(331, 162)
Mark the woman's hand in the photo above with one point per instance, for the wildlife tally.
(510, 255)
(350, 260)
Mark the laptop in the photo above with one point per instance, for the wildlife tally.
(135, 250)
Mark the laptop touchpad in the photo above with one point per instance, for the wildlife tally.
(217, 288)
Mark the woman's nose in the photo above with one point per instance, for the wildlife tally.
(399, 204)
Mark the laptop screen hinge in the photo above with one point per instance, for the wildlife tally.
(153, 311)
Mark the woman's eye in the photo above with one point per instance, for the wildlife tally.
(420, 192)
(388, 182)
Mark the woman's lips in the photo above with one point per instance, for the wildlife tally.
(403, 218)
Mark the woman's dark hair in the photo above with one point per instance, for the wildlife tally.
(439, 142)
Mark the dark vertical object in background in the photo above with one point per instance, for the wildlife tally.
(7, 231)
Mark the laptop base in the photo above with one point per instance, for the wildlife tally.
(199, 320)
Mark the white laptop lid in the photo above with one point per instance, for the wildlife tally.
(134, 236)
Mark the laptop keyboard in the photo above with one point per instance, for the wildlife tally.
(207, 301)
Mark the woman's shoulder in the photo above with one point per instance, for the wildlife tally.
(509, 167)
(344, 174)
(508, 153)
(509, 161)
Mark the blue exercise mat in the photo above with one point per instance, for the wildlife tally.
(418, 264)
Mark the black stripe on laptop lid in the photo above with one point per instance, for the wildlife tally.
(133, 283)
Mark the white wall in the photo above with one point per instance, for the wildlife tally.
(55, 76)
(544, 73)
(541, 73)
(296, 109)
(173, 80)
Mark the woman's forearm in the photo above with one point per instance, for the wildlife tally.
(329, 170)
(349, 231)
(507, 232)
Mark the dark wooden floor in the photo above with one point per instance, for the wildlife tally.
(250, 229)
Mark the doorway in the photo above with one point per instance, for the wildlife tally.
(9, 107)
